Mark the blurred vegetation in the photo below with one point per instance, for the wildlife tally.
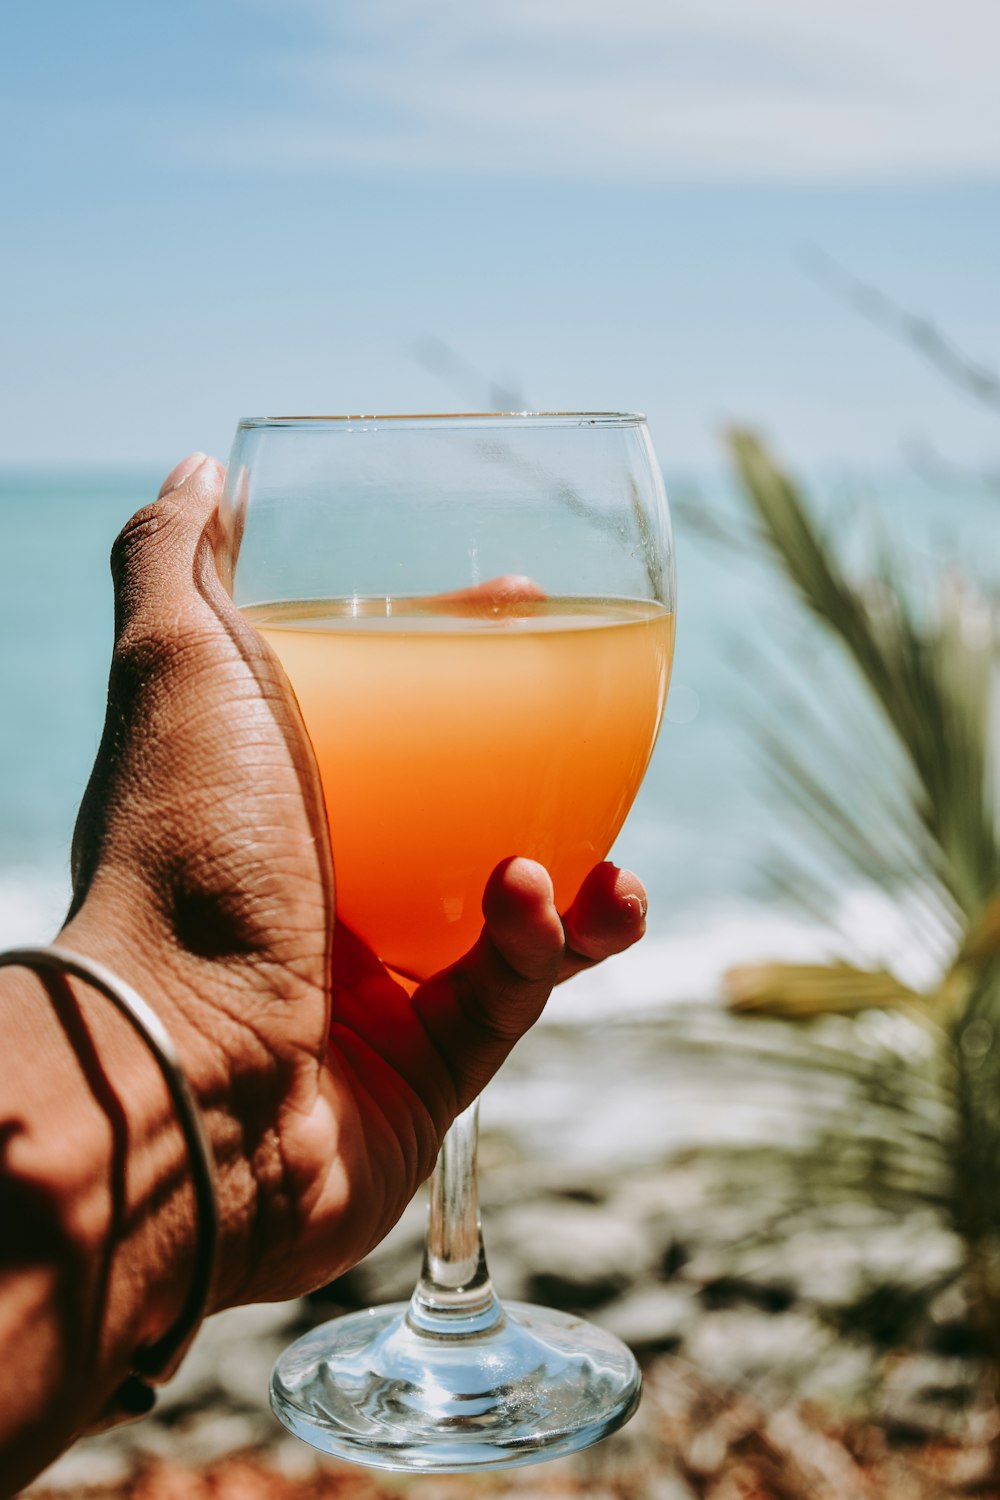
(909, 808)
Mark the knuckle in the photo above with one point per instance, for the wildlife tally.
(142, 646)
(148, 522)
(174, 658)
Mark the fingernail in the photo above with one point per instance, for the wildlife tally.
(183, 471)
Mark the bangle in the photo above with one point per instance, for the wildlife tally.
(157, 1362)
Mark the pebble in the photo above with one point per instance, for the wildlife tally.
(740, 1346)
(928, 1393)
(573, 1254)
(652, 1319)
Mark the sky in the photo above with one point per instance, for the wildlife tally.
(238, 207)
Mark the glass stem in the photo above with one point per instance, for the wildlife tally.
(454, 1295)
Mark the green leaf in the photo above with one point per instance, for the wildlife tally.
(931, 673)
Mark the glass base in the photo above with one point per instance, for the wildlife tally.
(375, 1388)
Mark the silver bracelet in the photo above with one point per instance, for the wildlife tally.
(159, 1360)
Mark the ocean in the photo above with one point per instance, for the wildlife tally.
(702, 828)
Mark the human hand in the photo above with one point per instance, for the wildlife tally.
(202, 874)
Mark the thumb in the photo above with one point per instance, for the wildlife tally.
(153, 561)
(160, 613)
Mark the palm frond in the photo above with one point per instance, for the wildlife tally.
(931, 671)
(931, 674)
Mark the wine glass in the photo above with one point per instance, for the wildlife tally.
(476, 615)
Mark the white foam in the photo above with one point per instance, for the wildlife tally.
(682, 965)
(33, 905)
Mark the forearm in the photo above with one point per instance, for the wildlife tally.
(97, 1230)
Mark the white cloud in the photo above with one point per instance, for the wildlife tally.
(668, 89)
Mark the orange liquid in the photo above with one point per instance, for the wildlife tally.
(448, 738)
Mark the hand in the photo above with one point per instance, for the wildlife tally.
(202, 874)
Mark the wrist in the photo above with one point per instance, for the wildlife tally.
(95, 1194)
(199, 1006)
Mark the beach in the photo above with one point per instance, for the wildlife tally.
(757, 1253)
(722, 1193)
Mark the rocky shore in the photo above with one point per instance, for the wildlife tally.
(784, 1291)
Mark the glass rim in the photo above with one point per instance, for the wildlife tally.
(401, 420)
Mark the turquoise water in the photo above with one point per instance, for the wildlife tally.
(700, 829)
(56, 625)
